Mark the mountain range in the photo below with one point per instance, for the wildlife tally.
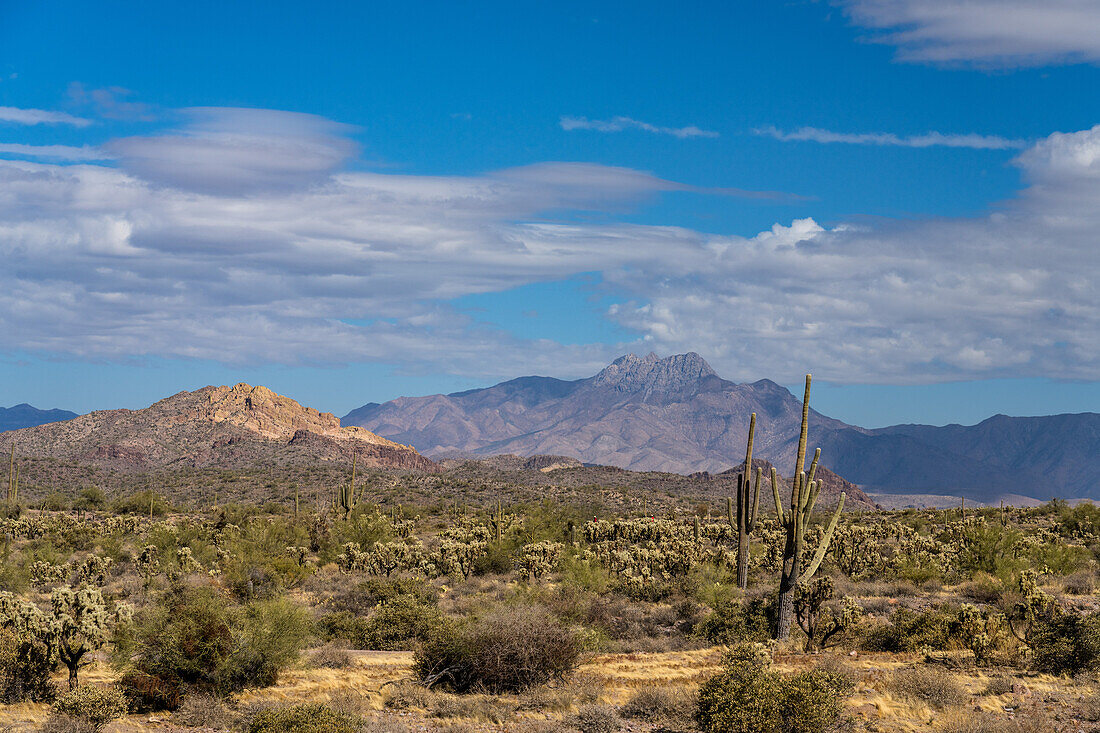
(226, 427)
(676, 414)
(25, 416)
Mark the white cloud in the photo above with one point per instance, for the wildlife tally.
(147, 260)
(999, 33)
(234, 151)
(927, 140)
(40, 117)
(57, 152)
(618, 124)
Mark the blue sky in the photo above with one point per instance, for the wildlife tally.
(368, 200)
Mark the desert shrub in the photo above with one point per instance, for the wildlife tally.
(406, 695)
(748, 697)
(396, 623)
(1000, 685)
(303, 718)
(933, 687)
(196, 638)
(269, 638)
(1067, 644)
(55, 502)
(330, 656)
(57, 723)
(90, 499)
(187, 636)
(473, 707)
(94, 706)
(595, 718)
(1080, 584)
(658, 705)
(25, 668)
(909, 631)
(146, 693)
(139, 504)
(733, 622)
(507, 650)
(203, 711)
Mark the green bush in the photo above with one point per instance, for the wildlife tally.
(909, 631)
(508, 650)
(397, 623)
(303, 718)
(748, 697)
(25, 668)
(90, 499)
(197, 637)
(95, 706)
(733, 621)
(55, 502)
(1067, 644)
(139, 504)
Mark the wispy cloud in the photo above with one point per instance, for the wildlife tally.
(984, 33)
(268, 249)
(22, 116)
(618, 124)
(55, 152)
(927, 140)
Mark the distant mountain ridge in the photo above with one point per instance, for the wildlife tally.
(26, 416)
(224, 426)
(676, 414)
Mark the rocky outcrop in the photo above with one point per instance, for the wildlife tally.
(213, 426)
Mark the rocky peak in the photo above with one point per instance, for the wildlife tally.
(633, 373)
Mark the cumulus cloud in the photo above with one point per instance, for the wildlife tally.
(40, 117)
(927, 140)
(1002, 33)
(195, 246)
(618, 124)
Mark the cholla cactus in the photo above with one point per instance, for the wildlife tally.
(186, 562)
(298, 554)
(149, 562)
(82, 620)
(820, 623)
(45, 573)
(538, 559)
(94, 569)
(1036, 607)
(352, 559)
(458, 558)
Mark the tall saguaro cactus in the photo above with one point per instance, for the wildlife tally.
(804, 491)
(746, 509)
(13, 481)
(346, 494)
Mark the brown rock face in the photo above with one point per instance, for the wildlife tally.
(213, 426)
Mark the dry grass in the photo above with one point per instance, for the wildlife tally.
(618, 679)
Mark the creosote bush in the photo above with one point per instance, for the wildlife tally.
(92, 705)
(507, 650)
(748, 697)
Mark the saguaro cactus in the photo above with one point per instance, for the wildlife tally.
(746, 510)
(804, 491)
(346, 494)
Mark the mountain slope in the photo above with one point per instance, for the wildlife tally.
(26, 416)
(212, 426)
(677, 415)
(641, 413)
